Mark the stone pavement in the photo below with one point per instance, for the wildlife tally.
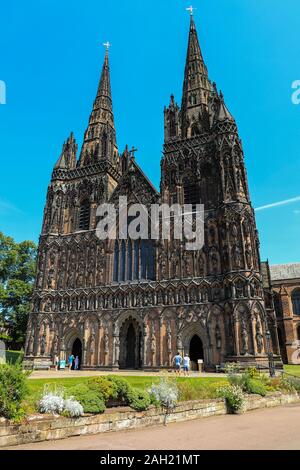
(267, 429)
(52, 374)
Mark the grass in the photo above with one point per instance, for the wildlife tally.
(292, 369)
(189, 388)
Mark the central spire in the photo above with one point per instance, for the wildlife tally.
(100, 136)
(196, 87)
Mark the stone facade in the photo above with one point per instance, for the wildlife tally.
(133, 304)
(285, 282)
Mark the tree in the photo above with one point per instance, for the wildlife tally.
(17, 274)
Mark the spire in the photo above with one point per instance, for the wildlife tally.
(196, 87)
(67, 159)
(224, 114)
(100, 136)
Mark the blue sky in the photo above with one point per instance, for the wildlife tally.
(51, 57)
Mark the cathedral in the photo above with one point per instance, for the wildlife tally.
(133, 304)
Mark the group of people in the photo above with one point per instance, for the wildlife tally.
(73, 362)
(182, 362)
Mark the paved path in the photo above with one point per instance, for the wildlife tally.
(276, 428)
(52, 374)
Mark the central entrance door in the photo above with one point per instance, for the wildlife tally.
(77, 351)
(130, 345)
(196, 351)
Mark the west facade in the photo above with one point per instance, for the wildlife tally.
(134, 304)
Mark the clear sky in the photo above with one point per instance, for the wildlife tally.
(51, 58)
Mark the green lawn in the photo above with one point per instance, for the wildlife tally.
(293, 370)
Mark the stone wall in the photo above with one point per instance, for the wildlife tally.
(47, 427)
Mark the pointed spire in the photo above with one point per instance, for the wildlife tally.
(224, 114)
(67, 159)
(196, 87)
(100, 136)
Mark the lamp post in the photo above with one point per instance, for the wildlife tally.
(270, 354)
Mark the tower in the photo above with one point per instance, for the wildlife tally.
(203, 163)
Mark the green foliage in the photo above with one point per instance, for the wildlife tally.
(231, 368)
(138, 399)
(250, 382)
(106, 389)
(290, 384)
(123, 388)
(13, 389)
(17, 273)
(89, 399)
(253, 373)
(255, 386)
(14, 357)
(234, 397)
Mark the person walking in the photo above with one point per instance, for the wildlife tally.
(70, 361)
(186, 365)
(76, 365)
(56, 361)
(177, 361)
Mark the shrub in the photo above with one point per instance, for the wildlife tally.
(122, 388)
(255, 386)
(234, 397)
(252, 372)
(165, 393)
(139, 399)
(88, 398)
(52, 401)
(106, 389)
(231, 368)
(290, 384)
(248, 384)
(72, 408)
(13, 389)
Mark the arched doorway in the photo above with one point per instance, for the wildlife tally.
(196, 351)
(130, 360)
(130, 345)
(77, 351)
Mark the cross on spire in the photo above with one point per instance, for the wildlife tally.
(191, 9)
(107, 45)
(132, 151)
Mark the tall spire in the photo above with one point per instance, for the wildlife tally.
(196, 87)
(100, 136)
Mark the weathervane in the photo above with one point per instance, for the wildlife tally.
(191, 9)
(107, 45)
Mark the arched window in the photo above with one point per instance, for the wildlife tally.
(172, 125)
(296, 301)
(116, 262)
(84, 215)
(298, 332)
(123, 262)
(104, 145)
(195, 130)
(134, 260)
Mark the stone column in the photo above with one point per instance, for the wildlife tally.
(161, 342)
(237, 338)
(145, 338)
